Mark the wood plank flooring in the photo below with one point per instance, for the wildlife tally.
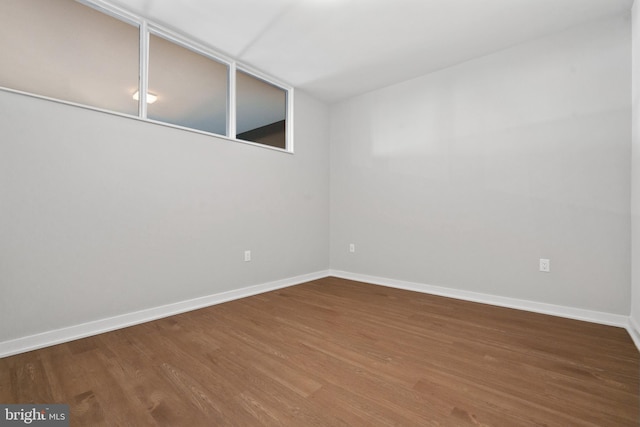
(334, 352)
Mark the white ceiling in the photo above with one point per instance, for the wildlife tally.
(339, 48)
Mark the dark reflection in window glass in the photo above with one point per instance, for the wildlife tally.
(261, 110)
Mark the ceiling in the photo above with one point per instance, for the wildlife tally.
(335, 49)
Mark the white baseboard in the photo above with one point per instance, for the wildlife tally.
(537, 307)
(634, 330)
(57, 336)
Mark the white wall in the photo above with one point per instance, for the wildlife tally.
(103, 215)
(465, 177)
(461, 178)
(635, 168)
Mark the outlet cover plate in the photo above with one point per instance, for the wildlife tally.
(545, 265)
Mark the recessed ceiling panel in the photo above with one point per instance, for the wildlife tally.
(334, 49)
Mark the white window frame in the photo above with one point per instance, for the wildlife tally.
(147, 27)
(186, 43)
(288, 103)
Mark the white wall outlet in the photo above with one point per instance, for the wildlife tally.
(352, 247)
(247, 256)
(545, 265)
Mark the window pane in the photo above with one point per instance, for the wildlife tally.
(191, 88)
(261, 110)
(65, 50)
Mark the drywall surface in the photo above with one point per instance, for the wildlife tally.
(635, 171)
(466, 177)
(103, 215)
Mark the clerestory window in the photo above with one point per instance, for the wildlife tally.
(101, 57)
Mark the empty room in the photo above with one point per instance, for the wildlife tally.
(320, 212)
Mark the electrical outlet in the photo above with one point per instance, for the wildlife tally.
(352, 247)
(247, 256)
(545, 265)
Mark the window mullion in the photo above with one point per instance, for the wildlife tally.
(289, 119)
(143, 84)
(231, 125)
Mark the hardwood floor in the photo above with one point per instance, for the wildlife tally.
(339, 353)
